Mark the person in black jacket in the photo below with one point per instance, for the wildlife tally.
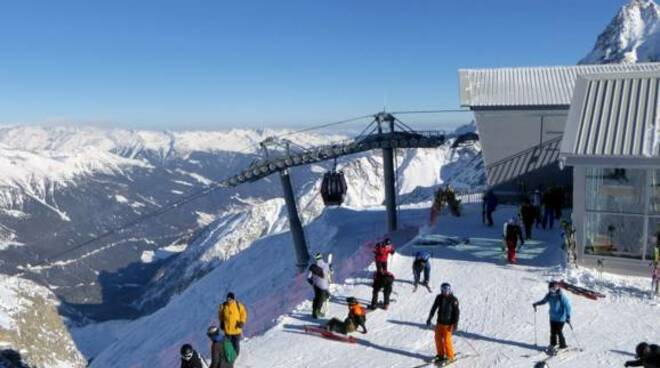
(448, 312)
(528, 215)
(190, 358)
(222, 355)
(382, 280)
(648, 356)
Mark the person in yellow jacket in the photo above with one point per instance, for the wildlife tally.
(233, 316)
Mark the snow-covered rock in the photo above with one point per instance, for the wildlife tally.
(31, 326)
(633, 36)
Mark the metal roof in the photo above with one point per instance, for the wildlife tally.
(532, 86)
(614, 116)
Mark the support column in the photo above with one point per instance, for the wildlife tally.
(295, 226)
(390, 193)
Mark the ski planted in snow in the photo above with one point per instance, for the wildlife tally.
(594, 295)
(329, 334)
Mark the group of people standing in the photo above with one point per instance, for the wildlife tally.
(225, 340)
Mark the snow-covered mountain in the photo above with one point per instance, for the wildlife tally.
(31, 328)
(633, 36)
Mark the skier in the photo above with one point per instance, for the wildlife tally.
(319, 277)
(356, 318)
(488, 206)
(648, 356)
(511, 234)
(560, 313)
(381, 252)
(233, 316)
(528, 215)
(422, 263)
(222, 350)
(447, 306)
(190, 358)
(536, 203)
(382, 280)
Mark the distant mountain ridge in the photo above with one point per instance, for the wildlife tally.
(633, 36)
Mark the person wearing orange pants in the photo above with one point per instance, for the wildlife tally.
(446, 305)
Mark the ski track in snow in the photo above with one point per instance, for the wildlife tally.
(497, 319)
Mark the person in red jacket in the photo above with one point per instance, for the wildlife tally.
(381, 253)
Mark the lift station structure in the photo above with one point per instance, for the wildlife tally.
(385, 132)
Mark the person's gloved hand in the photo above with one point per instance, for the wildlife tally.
(628, 364)
(239, 324)
(568, 320)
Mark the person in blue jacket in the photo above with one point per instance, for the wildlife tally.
(560, 313)
(422, 264)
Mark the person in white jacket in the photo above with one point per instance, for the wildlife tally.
(319, 277)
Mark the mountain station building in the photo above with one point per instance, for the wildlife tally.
(599, 122)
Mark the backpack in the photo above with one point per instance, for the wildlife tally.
(316, 270)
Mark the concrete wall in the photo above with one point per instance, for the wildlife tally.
(506, 132)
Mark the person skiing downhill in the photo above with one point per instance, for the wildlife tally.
(190, 358)
(233, 316)
(512, 233)
(222, 350)
(382, 280)
(648, 356)
(421, 264)
(560, 313)
(381, 252)
(356, 318)
(446, 304)
(319, 277)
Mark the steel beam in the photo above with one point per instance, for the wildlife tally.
(295, 226)
(390, 193)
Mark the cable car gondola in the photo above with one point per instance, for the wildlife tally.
(333, 188)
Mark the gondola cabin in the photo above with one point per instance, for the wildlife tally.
(333, 188)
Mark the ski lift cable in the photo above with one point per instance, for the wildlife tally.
(440, 111)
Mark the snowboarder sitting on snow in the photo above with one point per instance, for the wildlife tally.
(222, 350)
(382, 280)
(511, 234)
(648, 356)
(420, 264)
(560, 313)
(233, 316)
(356, 318)
(190, 358)
(319, 277)
(381, 253)
(447, 306)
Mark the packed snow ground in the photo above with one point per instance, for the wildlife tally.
(497, 319)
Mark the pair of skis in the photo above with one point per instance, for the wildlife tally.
(425, 285)
(442, 363)
(578, 290)
(330, 335)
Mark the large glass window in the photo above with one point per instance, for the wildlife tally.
(654, 192)
(654, 236)
(615, 190)
(614, 235)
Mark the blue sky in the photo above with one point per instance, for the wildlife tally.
(218, 64)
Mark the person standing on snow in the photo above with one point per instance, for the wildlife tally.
(528, 215)
(421, 264)
(190, 358)
(233, 316)
(382, 280)
(560, 313)
(537, 200)
(222, 350)
(488, 206)
(648, 356)
(356, 318)
(319, 277)
(381, 252)
(446, 305)
(548, 208)
(512, 233)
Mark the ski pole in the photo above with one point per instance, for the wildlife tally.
(536, 338)
(575, 337)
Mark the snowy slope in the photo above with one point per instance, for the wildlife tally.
(633, 36)
(30, 324)
(496, 329)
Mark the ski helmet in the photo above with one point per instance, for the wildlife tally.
(186, 352)
(541, 365)
(641, 349)
(213, 331)
(231, 296)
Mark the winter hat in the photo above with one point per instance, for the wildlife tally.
(387, 241)
(553, 284)
(186, 351)
(230, 295)
(318, 256)
(445, 287)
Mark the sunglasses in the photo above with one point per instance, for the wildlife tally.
(187, 356)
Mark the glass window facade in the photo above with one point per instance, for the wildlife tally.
(622, 212)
